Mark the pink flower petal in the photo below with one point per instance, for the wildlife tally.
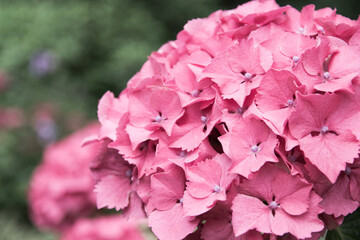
(167, 188)
(203, 178)
(171, 224)
(252, 145)
(250, 213)
(110, 110)
(300, 226)
(292, 197)
(197, 206)
(311, 113)
(330, 153)
(113, 192)
(337, 200)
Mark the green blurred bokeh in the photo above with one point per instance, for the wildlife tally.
(60, 56)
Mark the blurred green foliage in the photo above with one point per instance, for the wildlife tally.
(14, 229)
(95, 46)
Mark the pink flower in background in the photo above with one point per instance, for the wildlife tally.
(11, 118)
(61, 189)
(103, 228)
(4, 81)
(244, 127)
(44, 123)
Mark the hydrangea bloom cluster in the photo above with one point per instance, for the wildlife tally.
(61, 189)
(244, 127)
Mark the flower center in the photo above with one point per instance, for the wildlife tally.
(217, 188)
(248, 76)
(290, 102)
(324, 129)
(158, 119)
(301, 30)
(255, 149)
(326, 75)
(204, 119)
(273, 205)
(195, 93)
(295, 59)
(182, 154)
(128, 173)
(181, 200)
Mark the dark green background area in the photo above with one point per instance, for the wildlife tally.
(98, 46)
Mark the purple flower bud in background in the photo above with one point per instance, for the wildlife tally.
(42, 63)
(46, 130)
(4, 81)
(44, 123)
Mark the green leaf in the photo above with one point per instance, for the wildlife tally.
(349, 230)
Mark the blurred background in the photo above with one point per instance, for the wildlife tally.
(57, 58)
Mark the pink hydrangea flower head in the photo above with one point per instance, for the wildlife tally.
(243, 127)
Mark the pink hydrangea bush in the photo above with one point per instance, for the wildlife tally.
(61, 189)
(244, 127)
